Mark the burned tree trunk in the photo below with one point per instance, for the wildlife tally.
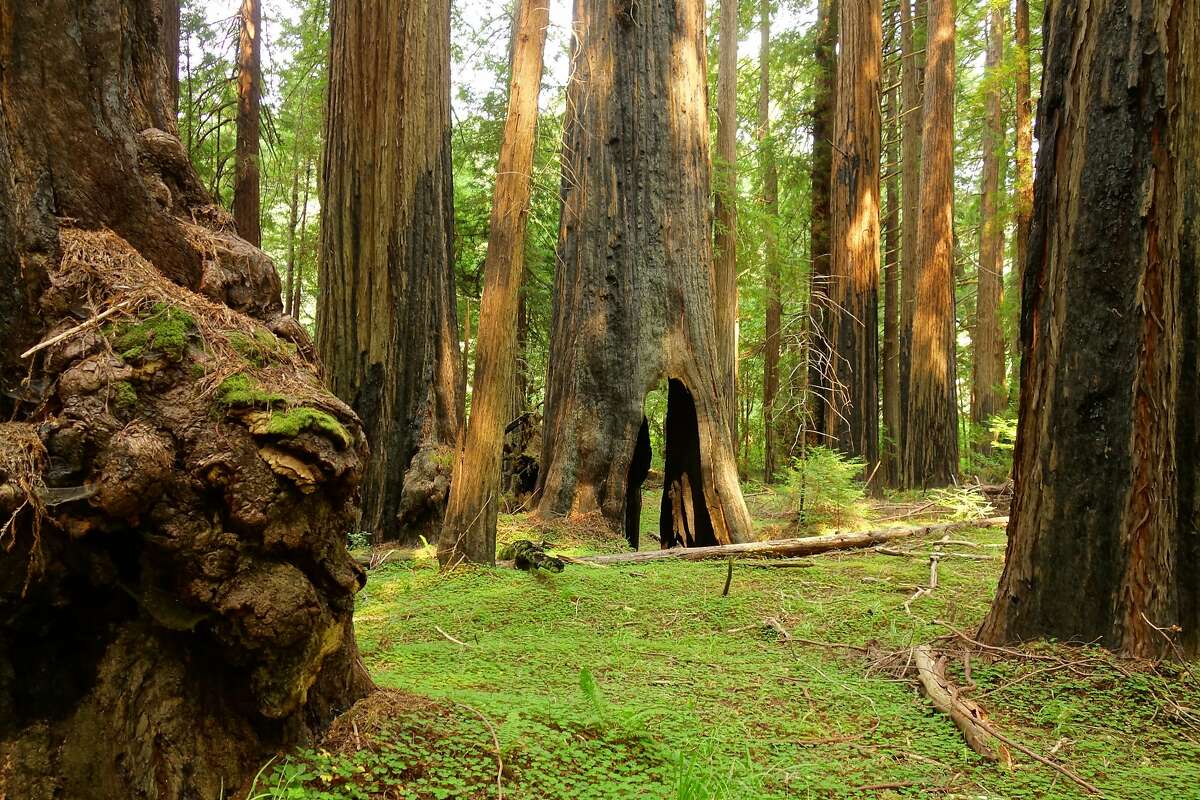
(175, 485)
(987, 390)
(820, 313)
(469, 530)
(634, 289)
(854, 280)
(1105, 497)
(386, 326)
(246, 185)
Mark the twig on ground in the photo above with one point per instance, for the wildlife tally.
(728, 578)
(78, 328)
(448, 636)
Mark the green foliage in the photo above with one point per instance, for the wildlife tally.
(987, 451)
(291, 422)
(124, 396)
(825, 489)
(165, 331)
(962, 502)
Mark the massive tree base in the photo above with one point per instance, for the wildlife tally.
(175, 592)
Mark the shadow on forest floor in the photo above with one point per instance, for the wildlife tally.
(642, 681)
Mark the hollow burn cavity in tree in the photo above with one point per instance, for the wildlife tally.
(684, 519)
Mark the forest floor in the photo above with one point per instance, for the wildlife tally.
(643, 681)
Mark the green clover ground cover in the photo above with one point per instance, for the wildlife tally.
(643, 682)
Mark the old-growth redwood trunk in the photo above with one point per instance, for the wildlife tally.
(891, 284)
(1023, 204)
(987, 338)
(633, 294)
(469, 530)
(1105, 498)
(725, 175)
(820, 315)
(246, 202)
(386, 326)
(770, 203)
(931, 456)
(912, 65)
(855, 215)
(175, 593)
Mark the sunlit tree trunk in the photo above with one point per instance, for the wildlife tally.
(725, 174)
(912, 42)
(820, 314)
(633, 293)
(469, 530)
(854, 412)
(246, 201)
(1102, 542)
(987, 338)
(931, 457)
(770, 202)
(1024, 161)
(386, 324)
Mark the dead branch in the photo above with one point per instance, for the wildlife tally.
(945, 696)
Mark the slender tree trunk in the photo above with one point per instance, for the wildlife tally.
(386, 324)
(891, 284)
(770, 202)
(469, 530)
(246, 200)
(1105, 497)
(633, 293)
(820, 313)
(190, 612)
(725, 172)
(855, 207)
(293, 220)
(912, 42)
(932, 441)
(987, 339)
(1024, 162)
(297, 297)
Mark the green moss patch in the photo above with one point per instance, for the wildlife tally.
(262, 348)
(166, 331)
(294, 420)
(242, 391)
(124, 396)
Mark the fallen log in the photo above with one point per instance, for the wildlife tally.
(802, 546)
(967, 715)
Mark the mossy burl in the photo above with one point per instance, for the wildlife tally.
(166, 330)
(261, 348)
(241, 391)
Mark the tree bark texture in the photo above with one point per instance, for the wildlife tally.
(175, 592)
(820, 313)
(170, 47)
(633, 293)
(891, 285)
(1104, 506)
(246, 185)
(770, 202)
(855, 216)
(912, 42)
(469, 530)
(386, 326)
(725, 173)
(931, 457)
(1023, 204)
(988, 373)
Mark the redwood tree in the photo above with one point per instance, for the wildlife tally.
(890, 366)
(1024, 155)
(633, 293)
(1105, 505)
(246, 202)
(912, 65)
(855, 216)
(175, 591)
(725, 175)
(386, 326)
(931, 443)
(770, 204)
(987, 338)
(469, 530)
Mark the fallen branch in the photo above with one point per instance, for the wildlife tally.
(803, 546)
(72, 331)
(966, 714)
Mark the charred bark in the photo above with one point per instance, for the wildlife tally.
(633, 293)
(386, 326)
(181, 607)
(1105, 481)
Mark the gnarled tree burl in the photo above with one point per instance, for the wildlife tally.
(633, 295)
(175, 485)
